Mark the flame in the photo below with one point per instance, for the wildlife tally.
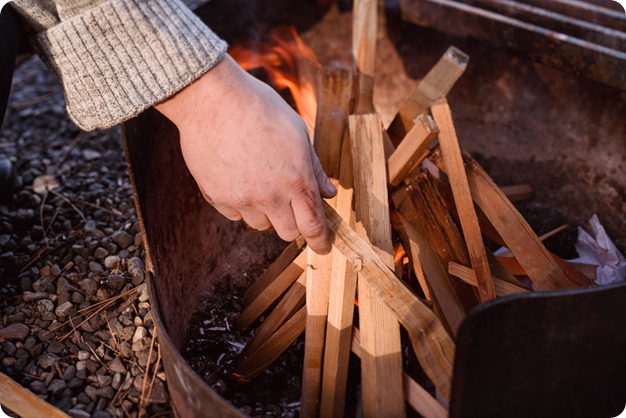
(289, 63)
(399, 254)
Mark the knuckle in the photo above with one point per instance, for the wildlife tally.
(314, 228)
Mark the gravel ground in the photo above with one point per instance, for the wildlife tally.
(75, 324)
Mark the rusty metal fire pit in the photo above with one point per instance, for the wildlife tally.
(529, 123)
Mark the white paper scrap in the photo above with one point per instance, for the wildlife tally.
(597, 248)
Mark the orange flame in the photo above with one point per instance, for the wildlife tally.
(289, 64)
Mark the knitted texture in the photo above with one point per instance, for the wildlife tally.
(117, 58)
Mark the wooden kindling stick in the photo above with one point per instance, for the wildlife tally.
(364, 27)
(453, 161)
(381, 364)
(24, 402)
(503, 288)
(437, 84)
(433, 347)
(272, 292)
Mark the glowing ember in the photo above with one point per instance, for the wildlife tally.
(289, 63)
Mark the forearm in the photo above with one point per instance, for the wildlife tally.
(116, 58)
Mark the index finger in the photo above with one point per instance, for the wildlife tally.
(311, 220)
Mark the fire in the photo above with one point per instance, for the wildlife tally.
(289, 63)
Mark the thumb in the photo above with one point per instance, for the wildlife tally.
(326, 187)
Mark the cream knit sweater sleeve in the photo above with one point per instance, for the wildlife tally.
(117, 58)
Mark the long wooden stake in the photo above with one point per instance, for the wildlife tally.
(412, 150)
(453, 161)
(503, 288)
(274, 270)
(290, 303)
(437, 83)
(381, 364)
(432, 345)
(24, 402)
(364, 27)
(272, 292)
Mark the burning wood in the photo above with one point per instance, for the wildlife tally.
(454, 270)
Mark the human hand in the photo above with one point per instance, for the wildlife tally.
(250, 154)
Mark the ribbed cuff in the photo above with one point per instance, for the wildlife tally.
(124, 56)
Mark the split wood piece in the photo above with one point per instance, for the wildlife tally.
(433, 347)
(364, 28)
(381, 367)
(437, 84)
(512, 227)
(416, 396)
(273, 348)
(334, 106)
(273, 270)
(318, 272)
(339, 323)
(518, 192)
(513, 266)
(24, 402)
(290, 303)
(466, 274)
(412, 150)
(445, 304)
(272, 291)
(455, 169)
(543, 237)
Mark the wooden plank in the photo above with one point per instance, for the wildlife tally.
(318, 272)
(412, 150)
(441, 288)
(290, 303)
(512, 227)
(455, 169)
(518, 192)
(334, 106)
(543, 45)
(274, 269)
(364, 28)
(258, 361)
(503, 288)
(339, 326)
(435, 85)
(433, 347)
(381, 364)
(416, 396)
(24, 402)
(272, 292)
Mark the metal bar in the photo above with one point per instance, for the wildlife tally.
(584, 10)
(539, 44)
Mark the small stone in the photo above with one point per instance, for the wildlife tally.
(123, 239)
(44, 305)
(112, 262)
(75, 383)
(135, 267)
(78, 413)
(89, 286)
(9, 348)
(126, 334)
(15, 331)
(141, 344)
(138, 239)
(63, 285)
(137, 321)
(37, 386)
(104, 380)
(116, 281)
(100, 253)
(64, 309)
(78, 298)
(69, 373)
(95, 267)
(117, 366)
(126, 349)
(31, 296)
(91, 391)
(159, 393)
(84, 355)
(101, 414)
(102, 294)
(46, 361)
(140, 333)
(45, 271)
(89, 154)
(44, 284)
(143, 293)
(106, 392)
(56, 386)
(55, 270)
(90, 226)
(117, 381)
(56, 347)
